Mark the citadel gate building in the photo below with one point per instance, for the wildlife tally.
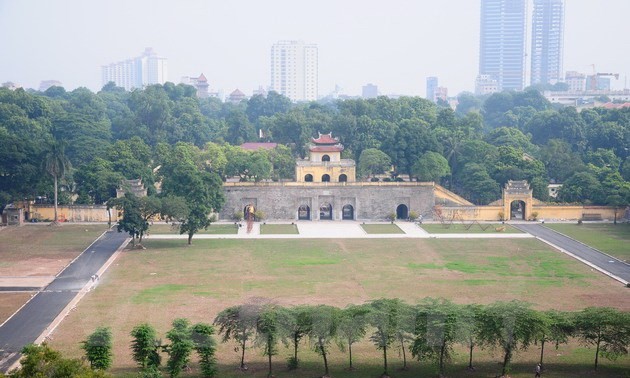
(326, 189)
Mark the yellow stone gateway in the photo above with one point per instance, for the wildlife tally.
(325, 163)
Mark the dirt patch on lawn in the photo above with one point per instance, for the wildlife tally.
(11, 302)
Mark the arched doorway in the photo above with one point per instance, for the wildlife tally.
(304, 212)
(308, 178)
(347, 213)
(325, 158)
(517, 210)
(402, 212)
(343, 178)
(326, 178)
(325, 211)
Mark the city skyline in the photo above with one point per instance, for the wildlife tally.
(502, 42)
(395, 47)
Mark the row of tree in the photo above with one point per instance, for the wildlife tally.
(473, 150)
(428, 332)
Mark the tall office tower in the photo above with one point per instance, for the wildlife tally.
(547, 41)
(294, 70)
(432, 84)
(147, 69)
(369, 91)
(502, 42)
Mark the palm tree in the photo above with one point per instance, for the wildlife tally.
(56, 164)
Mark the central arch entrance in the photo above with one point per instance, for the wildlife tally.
(347, 213)
(304, 212)
(402, 212)
(517, 210)
(325, 211)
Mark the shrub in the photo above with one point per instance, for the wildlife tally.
(237, 216)
(413, 216)
(391, 217)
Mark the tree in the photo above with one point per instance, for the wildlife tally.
(238, 323)
(556, 327)
(468, 329)
(205, 346)
(582, 187)
(431, 166)
(56, 164)
(323, 331)
(42, 361)
(373, 162)
(436, 330)
(606, 328)
(202, 189)
(299, 324)
(144, 346)
(132, 221)
(98, 348)
(353, 322)
(509, 326)
(180, 348)
(270, 328)
(477, 184)
(390, 321)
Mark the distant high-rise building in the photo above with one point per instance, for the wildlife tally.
(369, 91)
(485, 84)
(502, 42)
(147, 69)
(432, 84)
(441, 93)
(294, 71)
(575, 81)
(45, 84)
(547, 41)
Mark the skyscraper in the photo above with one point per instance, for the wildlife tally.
(432, 84)
(294, 70)
(547, 41)
(147, 69)
(502, 42)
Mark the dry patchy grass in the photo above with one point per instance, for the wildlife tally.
(170, 280)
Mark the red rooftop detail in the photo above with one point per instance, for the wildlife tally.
(202, 78)
(325, 139)
(337, 148)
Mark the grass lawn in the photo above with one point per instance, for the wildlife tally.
(607, 237)
(276, 229)
(222, 229)
(170, 280)
(39, 250)
(459, 228)
(382, 228)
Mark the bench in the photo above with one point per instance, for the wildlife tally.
(591, 217)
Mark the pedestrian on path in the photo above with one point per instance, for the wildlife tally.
(538, 368)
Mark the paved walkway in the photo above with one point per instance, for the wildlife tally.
(44, 311)
(606, 264)
(340, 230)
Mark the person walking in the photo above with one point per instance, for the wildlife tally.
(538, 369)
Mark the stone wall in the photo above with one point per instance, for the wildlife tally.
(369, 201)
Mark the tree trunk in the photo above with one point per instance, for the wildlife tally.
(55, 199)
(350, 353)
(442, 349)
(243, 353)
(190, 235)
(542, 350)
(385, 359)
(506, 359)
(270, 374)
(321, 347)
(402, 344)
(470, 365)
(597, 350)
(295, 349)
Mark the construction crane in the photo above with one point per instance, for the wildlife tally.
(592, 85)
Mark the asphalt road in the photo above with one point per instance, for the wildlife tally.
(608, 263)
(32, 320)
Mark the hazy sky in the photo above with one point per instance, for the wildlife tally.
(394, 44)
